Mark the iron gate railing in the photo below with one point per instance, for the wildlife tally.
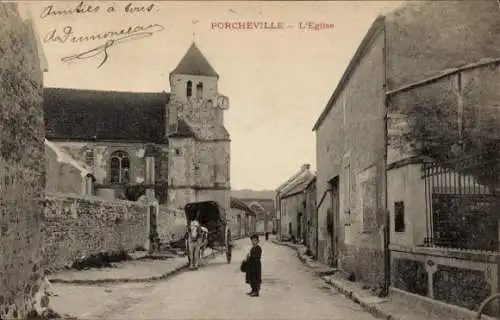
(462, 203)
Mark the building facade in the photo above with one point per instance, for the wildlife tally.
(173, 145)
(310, 239)
(350, 148)
(243, 223)
(262, 216)
(381, 211)
(291, 201)
(438, 207)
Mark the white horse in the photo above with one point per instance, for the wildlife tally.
(203, 242)
(194, 242)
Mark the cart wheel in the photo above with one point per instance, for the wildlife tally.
(228, 246)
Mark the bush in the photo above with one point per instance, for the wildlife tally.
(134, 192)
(100, 260)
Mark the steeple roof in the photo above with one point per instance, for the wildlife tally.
(195, 63)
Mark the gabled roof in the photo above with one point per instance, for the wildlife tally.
(298, 186)
(195, 63)
(266, 204)
(312, 181)
(290, 180)
(238, 204)
(105, 115)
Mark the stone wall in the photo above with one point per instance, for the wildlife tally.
(202, 114)
(22, 170)
(181, 162)
(290, 208)
(171, 224)
(350, 141)
(211, 164)
(461, 278)
(78, 227)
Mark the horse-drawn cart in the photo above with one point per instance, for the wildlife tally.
(207, 215)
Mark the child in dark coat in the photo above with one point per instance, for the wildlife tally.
(253, 267)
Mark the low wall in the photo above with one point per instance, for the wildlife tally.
(171, 224)
(461, 278)
(77, 227)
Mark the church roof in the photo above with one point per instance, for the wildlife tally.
(183, 131)
(74, 114)
(195, 63)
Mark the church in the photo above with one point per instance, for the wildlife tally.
(173, 145)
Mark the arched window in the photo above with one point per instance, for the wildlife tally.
(120, 167)
(189, 89)
(199, 90)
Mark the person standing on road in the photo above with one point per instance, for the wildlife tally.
(253, 267)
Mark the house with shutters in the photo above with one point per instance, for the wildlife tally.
(170, 147)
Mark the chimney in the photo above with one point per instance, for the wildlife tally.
(305, 167)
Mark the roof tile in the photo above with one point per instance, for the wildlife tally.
(195, 63)
(105, 115)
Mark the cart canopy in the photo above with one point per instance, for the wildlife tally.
(206, 212)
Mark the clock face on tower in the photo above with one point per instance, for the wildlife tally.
(223, 102)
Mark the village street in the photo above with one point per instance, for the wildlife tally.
(216, 291)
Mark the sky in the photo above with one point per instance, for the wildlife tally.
(278, 80)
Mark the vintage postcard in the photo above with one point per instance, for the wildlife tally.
(249, 160)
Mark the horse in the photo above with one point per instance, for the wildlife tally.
(203, 242)
(193, 243)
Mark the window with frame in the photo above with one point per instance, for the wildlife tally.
(399, 216)
(119, 167)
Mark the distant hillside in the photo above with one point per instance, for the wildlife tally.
(252, 194)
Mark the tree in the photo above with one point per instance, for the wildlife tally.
(434, 128)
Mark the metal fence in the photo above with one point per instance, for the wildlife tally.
(462, 203)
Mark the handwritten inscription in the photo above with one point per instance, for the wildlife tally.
(81, 8)
(113, 38)
(130, 8)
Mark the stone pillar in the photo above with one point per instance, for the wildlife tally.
(89, 185)
(150, 155)
(431, 268)
(150, 199)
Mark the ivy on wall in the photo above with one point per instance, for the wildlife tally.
(448, 122)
